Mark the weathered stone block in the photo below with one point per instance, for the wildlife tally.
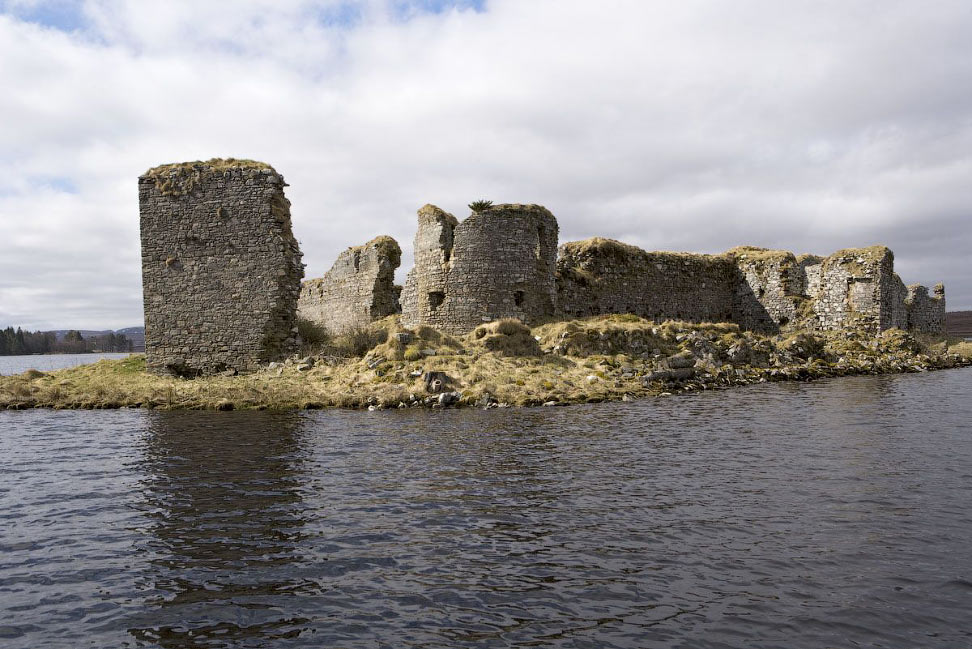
(221, 269)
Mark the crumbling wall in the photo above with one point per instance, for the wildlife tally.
(498, 263)
(926, 313)
(221, 269)
(759, 289)
(600, 276)
(358, 289)
(433, 253)
(898, 307)
(857, 288)
(771, 288)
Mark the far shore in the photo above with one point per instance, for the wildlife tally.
(502, 364)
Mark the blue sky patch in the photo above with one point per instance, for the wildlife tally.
(344, 14)
(60, 184)
(64, 15)
(405, 9)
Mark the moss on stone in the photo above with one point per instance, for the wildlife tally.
(211, 165)
(181, 178)
(386, 247)
(854, 260)
(763, 259)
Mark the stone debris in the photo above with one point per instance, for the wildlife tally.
(436, 381)
(375, 362)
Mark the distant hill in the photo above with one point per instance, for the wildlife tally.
(958, 323)
(135, 334)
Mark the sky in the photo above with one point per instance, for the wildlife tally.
(687, 125)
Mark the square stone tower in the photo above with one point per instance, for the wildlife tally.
(221, 269)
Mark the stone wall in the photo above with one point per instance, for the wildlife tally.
(358, 289)
(221, 269)
(770, 289)
(926, 313)
(498, 263)
(600, 276)
(855, 287)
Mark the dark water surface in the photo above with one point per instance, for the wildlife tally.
(832, 514)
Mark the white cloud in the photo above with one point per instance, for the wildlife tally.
(694, 125)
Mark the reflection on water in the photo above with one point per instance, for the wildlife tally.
(224, 496)
(788, 515)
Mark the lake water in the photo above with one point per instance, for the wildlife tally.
(48, 362)
(829, 514)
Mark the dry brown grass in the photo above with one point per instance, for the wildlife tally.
(963, 349)
(605, 359)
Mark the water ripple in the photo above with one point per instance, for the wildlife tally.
(798, 515)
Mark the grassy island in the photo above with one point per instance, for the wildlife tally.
(606, 358)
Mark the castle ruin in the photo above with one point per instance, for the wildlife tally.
(221, 269)
(503, 262)
(222, 276)
(358, 289)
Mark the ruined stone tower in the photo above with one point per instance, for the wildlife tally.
(498, 263)
(358, 289)
(221, 269)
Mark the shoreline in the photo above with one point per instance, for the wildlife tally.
(502, 364)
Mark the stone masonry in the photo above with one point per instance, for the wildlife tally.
(498, 263)
(856, 286)
(853, 287)
(221, 276)
(358, 289)
(221, 269)
(926, 313)
(769, 287)
(764, 290)
(599, 276)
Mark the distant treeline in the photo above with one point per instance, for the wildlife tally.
(14, 342)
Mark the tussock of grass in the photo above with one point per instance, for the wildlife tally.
(507, 338)
(314, 338)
